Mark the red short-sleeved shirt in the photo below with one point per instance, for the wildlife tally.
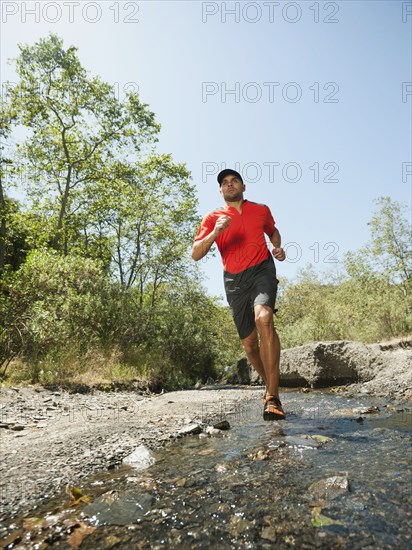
(243, 243)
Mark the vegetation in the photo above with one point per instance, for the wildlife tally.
(371, 301)
(95, 278)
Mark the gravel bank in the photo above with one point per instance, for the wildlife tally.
(52, 438)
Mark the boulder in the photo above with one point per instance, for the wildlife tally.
(333, 363)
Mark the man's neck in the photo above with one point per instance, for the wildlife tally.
(236, 204)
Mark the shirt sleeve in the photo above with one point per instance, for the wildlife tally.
(206, 227)
(269, 225)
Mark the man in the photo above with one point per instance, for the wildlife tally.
(250, 280)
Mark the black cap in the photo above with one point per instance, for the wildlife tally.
(221, 175)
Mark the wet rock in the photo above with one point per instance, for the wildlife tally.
(127, 508)
(190, 429)
(210, 430)
(110, 542)
(318, 438)
(261, 454)
(239, 525)
(222, 425)
(319, 520)
(141, 458)
(330, 487)
(301, 442)
(366, 410)
(268, 533)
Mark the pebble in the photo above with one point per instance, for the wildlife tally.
(330, 487)
(210, 430)
(269, 533)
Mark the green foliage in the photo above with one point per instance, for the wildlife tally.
(372, 302)
(58, 302)
(196, 336)
(78, 132)
(59, 309)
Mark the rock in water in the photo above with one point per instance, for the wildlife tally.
(330, 487)
(190, 429)
(141, 458)
(210, 430)
(222, 425)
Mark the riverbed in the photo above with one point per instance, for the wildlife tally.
(335, 474)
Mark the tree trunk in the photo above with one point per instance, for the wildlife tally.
(3, 229)
(63, 210)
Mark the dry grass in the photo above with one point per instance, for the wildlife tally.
(95, 367)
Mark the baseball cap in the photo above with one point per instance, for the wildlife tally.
(226, 172)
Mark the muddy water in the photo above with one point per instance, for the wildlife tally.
(335, 474)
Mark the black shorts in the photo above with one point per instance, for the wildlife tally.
(256, 285)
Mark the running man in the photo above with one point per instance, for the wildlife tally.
(250, 280)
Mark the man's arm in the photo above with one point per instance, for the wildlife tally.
(276, 241)
(202, 247)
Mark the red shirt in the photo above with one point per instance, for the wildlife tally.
(243, 243)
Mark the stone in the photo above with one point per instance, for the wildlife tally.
(268, 533)
(330, 487)
(261, 454)
(190, 429)
(210, 430)
(141, 458)
(366, 410)
(318, 438)
(222, 425)
(332, 363)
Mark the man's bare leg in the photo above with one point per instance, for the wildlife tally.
(251, 346)
(269, 347)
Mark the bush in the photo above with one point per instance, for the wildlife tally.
(64, 319)
(54, 304)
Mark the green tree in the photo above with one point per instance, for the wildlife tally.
(7, 116)
(149, 212)
(76, 127)
(390, 245)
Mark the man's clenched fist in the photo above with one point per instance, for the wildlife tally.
(279, 253)
(221, 224)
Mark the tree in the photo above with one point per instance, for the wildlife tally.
(380, 284)
(390, 246)
(100, 252)
(7, 116)
(76, 128)
(150, 214)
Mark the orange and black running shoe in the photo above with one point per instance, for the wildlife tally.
(272, 408)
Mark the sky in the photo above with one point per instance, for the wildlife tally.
(310, 101)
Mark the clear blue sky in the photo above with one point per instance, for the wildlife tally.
(333, 94)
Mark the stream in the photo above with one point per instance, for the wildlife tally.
(335, 474)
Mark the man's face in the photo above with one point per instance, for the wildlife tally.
(232, 188)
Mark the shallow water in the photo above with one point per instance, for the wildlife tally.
(255, 487)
